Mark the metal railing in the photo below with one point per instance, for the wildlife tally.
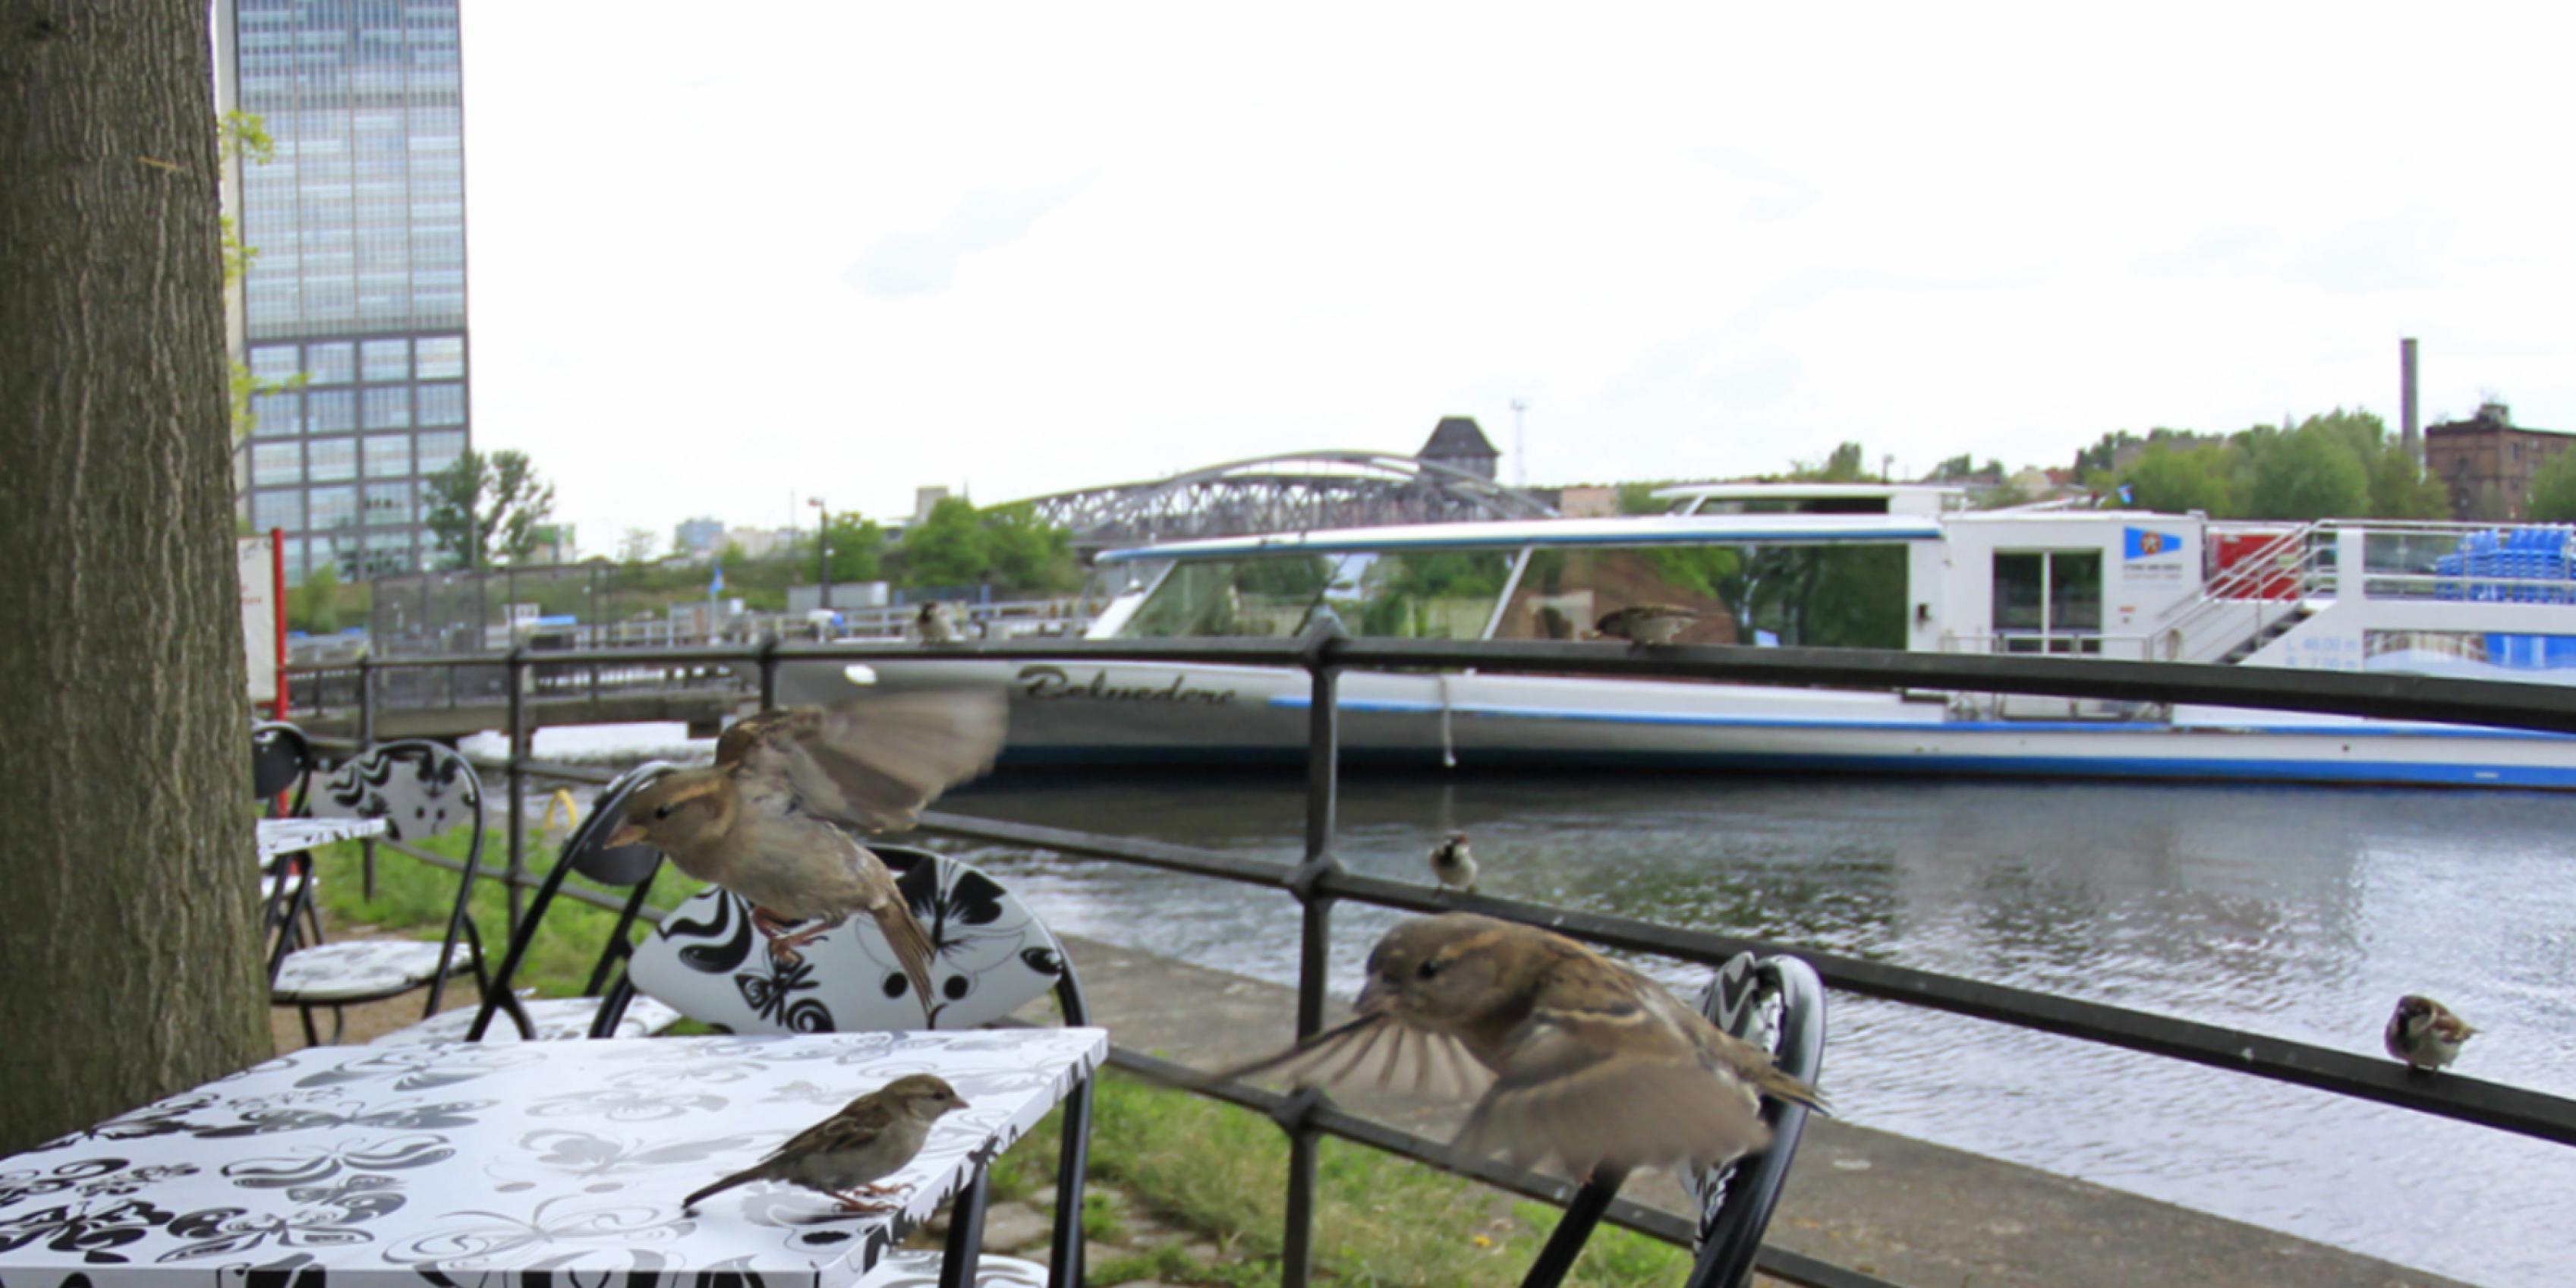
(1318, 882)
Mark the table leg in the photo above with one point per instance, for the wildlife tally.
(965, 1234)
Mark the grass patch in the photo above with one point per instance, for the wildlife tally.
(1380, 1220)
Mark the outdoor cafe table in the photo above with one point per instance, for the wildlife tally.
(292, 835)
(505, 1165)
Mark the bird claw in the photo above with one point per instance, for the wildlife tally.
(853, 1203)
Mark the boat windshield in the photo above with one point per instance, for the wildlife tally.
(1834, 596)
(1442, 594)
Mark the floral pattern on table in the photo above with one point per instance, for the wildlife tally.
(991, 956)
(500, 1166)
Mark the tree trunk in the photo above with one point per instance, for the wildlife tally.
(129, 955)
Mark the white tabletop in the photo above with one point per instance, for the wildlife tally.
(496, 1165)
(287, 835)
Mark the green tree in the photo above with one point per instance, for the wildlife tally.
(858, 548)
(2553, 490)
(315, 605)
(2401, 489)
(636, 546)
(487, 509)
(2175, 480)
(1026, 554)
(946, 548)
(132, 960)
(2312, 472)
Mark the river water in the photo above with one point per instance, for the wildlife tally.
(2297, 912)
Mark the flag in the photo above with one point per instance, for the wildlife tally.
(2125, 498)
(715, 584)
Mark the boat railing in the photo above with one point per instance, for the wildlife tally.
(1318, 881)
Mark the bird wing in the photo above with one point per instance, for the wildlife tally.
(1604, 1083)
(854, 1125)
(872, 762)
(1377, 1051)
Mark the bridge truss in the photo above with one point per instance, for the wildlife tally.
(1292, 492)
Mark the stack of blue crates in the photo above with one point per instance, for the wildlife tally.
(2529, 565)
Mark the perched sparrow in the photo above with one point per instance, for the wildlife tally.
(1576, 1056)
(2424, 1033)
(870, 1137)
(1452, 865)
(761, 821)
(934, 624)
(1648, 623)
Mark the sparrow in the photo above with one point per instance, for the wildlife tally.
(2424, 1033)
(765, 820)
(1570, 1055)
(934, 623)
(841, 1156)
(1647, 623)
(1452, 865)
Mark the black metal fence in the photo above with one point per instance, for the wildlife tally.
(1319, 882)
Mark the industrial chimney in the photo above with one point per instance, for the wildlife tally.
(2406, 433)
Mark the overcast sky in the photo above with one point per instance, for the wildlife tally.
(722, 256)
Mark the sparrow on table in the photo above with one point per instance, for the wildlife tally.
(934, 624)
(1570, 1054)
(2424, 1033)
(841, 1156)
(1647, 623)
(764, 821)
(1452, 865)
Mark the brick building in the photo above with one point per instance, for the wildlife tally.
(2487, 461)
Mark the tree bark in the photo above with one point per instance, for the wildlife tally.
(129, 946)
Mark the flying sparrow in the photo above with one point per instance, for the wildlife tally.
(841, 1156)
(2424, 1033)
(1571, 1054)
(934, 624)
(1647, 623)
(1452, 865)
(764, 821)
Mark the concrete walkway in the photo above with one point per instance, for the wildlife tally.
(1914, 1213)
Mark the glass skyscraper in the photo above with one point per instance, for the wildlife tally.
(355, 304)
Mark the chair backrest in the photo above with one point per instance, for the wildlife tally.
(993, 956)
(587, 854)
(420, 789)
(280, 758)
(1778, 1004)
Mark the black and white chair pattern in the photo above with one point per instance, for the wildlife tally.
(585, 854)
(1776, 1003)
(992, 956)
(419, 789)
(281, 765)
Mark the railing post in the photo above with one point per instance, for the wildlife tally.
(520, 747)
(769, 671)
(1315, 941)
(366, 741)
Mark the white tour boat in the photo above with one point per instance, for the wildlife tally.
(1825, 565)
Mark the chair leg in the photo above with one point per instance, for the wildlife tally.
(965, 1234)
(311, 1038)
(1581, 1215)
(1064, 1260)
(339, 1023)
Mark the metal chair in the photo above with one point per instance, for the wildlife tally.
(1776, 1003)
(281, 758)
(993, 956)
(586, 854)
(419, 789)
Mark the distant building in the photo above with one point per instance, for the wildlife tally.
(697, 536)
(2487, 461)
(1587, 501)
(1457, 443)
(555, 545)
(759, 543)
(352, 316)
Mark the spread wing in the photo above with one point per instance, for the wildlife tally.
(1608, 1085)
(872, 762)
(1377, 1052)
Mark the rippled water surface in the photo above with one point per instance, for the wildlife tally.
(2301, 913)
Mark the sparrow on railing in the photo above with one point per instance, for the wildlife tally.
(1452, 865)
(2424, 1033)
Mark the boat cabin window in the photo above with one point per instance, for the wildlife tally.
(2048, 601)
(1834, 596)
(1442, 594)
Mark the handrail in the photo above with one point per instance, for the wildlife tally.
(1318, 881)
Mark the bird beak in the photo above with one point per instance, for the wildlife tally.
(1373, 1000)
(958, 1102)
(626, 834)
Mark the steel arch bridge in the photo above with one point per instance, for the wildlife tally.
(1291, 492)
